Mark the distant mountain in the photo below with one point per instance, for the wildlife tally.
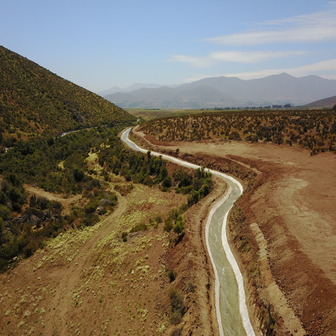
(133, 87)
(326, 102)
(35, 101)
(230, 91)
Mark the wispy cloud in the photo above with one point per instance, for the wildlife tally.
(328, 67)
(252, 56)
(234, 56)
(315, 27)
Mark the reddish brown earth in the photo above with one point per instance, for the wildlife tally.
(291, 225)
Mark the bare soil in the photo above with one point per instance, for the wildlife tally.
(292, 220)
(90, 282)
(66, 201)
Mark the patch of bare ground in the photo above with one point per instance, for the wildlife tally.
(293, 246)
(91, 282)
(66, 201)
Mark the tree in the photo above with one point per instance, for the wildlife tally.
(78, 175)
(167, 182)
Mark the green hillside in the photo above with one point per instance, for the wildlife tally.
(35, 101)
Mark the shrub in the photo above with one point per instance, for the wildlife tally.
(167, 182)
(176, 332)
(178, 226)
(90, 219)
(177, 307)
(171, 275)
(168, 225)
(139, 227)
(124, 237)
(4, 212)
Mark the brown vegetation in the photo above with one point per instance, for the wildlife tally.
(315, 130)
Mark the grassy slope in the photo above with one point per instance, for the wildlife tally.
(34, 101)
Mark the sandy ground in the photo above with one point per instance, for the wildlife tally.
(90, 282)
(292, 209)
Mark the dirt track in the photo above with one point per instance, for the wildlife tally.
(61, 305)
(90, 282)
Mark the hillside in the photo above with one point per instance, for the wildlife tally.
(326, 102)
(313, 130)
(35, 101)
(230, 92)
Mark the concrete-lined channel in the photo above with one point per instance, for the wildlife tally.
(232, 314)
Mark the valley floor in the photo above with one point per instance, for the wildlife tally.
(91, 282)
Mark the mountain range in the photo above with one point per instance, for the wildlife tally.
(229, 92)
(133, 87)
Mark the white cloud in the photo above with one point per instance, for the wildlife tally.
(251, 56)
(234, 56)
(315, 27)
(326, 69)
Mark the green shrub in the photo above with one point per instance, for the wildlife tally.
(90, 219)
(124, 237)
(177, 307)
(171, 275)
(178, 226)
(139, 227)
(168, 225)
(5, 213)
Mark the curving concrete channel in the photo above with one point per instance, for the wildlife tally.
(232, 314)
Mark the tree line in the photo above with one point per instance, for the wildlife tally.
(314, 130)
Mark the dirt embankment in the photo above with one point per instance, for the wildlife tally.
(191, 261)
(285, 239)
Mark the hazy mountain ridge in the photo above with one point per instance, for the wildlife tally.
(326, 102)
(230, 91)
(36, 101)
(133, 87)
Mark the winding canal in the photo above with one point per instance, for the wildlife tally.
(232, 314)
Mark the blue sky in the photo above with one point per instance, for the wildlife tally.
(99, 44)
